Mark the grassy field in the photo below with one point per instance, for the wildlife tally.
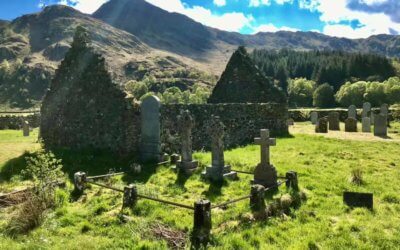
(322, 221)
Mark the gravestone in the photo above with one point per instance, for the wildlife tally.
(366, 111)
(25, 128)
(218, 170)
(350, 125)
(185, 125)
(352, 112)
(366, 125)
(384, 109)
(354, 199)
(380, 126)
(372, 117)
(150, 129)
(314, 117)
(265, 173)
(334, 122)
(322, 125)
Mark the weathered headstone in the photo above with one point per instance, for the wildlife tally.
(384, 109)
(25, 128)
(150, 129)
(366, 111)
(334, 122)
(380, 126)
(314, 117)
(322, 125)
(350, 125)
(218, 170)
(185, 125)
(354, 199)
(352, 112)
(372, 117)
(265, 173)
(366, 125)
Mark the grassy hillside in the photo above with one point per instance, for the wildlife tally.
(322, 221)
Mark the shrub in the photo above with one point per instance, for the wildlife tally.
(323, 96)
(357, 176)
(300, 92)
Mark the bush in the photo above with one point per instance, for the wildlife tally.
(300, 92)
(137, 89)
(323, 96)
(45, 171)
(351, 94)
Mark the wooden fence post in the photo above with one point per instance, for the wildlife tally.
(291, 180)
(202, 221)
(130, 196)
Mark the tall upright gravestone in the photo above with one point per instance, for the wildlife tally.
(352, 112)
(265, 173)
(380, 126)
(25, 128)
(314, 117)
(366, 125)
(366, 111)
(334, 122)
(150, 129)
(350, 125)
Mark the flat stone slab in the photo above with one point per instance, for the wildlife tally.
(354, 199)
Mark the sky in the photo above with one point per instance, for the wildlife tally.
(341, 18)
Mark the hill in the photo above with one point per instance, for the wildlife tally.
(179, 34)
(32, 46)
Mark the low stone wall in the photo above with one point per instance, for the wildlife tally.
(15, 121)
(242, 123)
(302, 115)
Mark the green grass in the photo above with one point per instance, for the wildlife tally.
(322, 221)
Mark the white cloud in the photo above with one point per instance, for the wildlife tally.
(373, 2)
(256, 3)
(231, 21)
(85, 6)
(220, 2)
(272, 28)
(334, 13)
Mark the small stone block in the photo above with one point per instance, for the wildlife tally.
(79, 181)
(354, 199)
(187, 167)
(257, 202)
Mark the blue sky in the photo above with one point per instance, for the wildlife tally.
(342, 18)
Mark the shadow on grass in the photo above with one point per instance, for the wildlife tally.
(181, 179)
(13, 167)
(147, 170)
(214, 190)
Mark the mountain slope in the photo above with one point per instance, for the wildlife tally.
(34, 45)
(180, 34)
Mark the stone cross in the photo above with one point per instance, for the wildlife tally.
(185, 125)
(265, 142)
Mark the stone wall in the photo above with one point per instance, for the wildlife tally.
(15, 121)
(243, 122)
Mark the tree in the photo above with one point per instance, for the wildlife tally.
(351, 94)
(323, 96)
(282, 77)
(301, 92)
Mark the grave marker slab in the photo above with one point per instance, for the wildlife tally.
(25, 128)
(354, 199)
(384, 110)
(366, 111)
(150, 129)
(380, 126)
(366, 125)
(314, 117)
(322, 125)
(265, 173)
(351, 125)
(352, 112)
(334, 122)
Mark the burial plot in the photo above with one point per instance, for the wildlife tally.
(322, 125)
(334, 123)
(352, 112)
(25, 128)
(351, 125)
(314, 117)
(380, 126)
(218, 170)
(185, 125)
(150, 129)
(265, 173)
(366, 125)
(354, 199)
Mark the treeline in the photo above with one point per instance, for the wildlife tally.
(307, 93)
(333, 67)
